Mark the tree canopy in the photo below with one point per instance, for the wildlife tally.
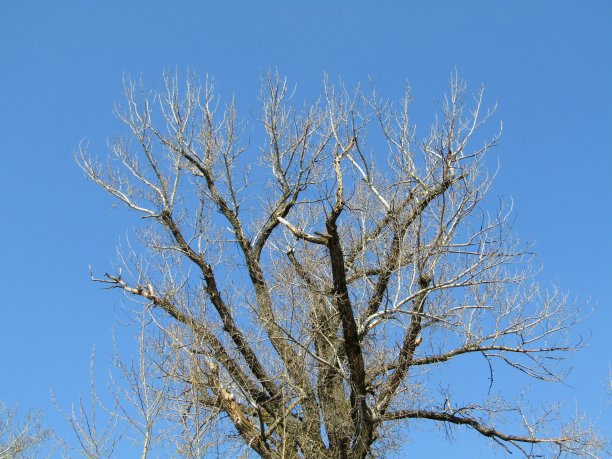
(304, 293)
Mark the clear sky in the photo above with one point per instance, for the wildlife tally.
(547, 63)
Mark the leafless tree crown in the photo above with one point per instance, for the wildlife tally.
(308, 287)
(21, 437)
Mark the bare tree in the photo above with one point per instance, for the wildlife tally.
(311, 289)
(21, 438)
(148, 407)
(94, 425)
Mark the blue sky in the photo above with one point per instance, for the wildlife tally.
(548, 64)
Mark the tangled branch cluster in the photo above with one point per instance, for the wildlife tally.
(303, 290)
